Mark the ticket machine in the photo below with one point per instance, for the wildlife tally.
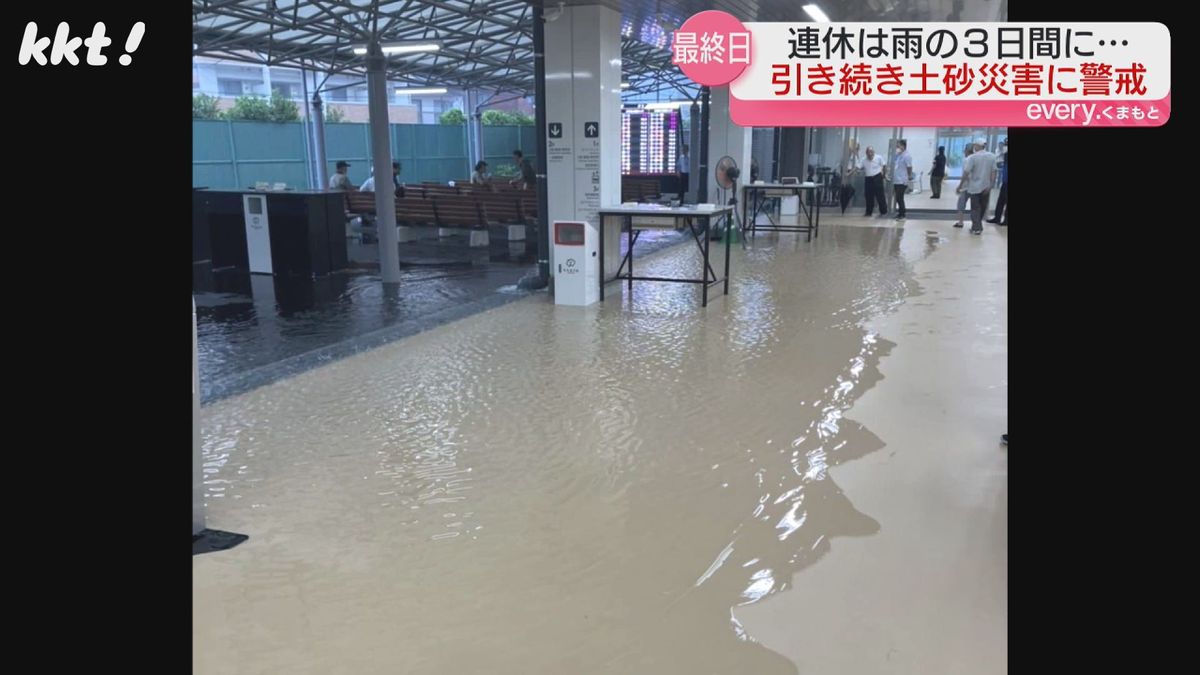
(258, 233)
(576, 263)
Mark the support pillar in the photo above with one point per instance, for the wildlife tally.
(381, 156)
(726, 138)
(583, 116)
(321, 168)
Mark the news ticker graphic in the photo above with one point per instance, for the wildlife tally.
(931, 74)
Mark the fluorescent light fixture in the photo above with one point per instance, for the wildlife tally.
(816, 14)
(402, 48)
(624, 85)
(666, 105)
(417, 91)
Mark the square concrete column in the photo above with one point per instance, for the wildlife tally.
(583, 116)
(726, 138)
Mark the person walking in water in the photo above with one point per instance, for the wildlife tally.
(938, 172)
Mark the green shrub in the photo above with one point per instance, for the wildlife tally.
(204, 107)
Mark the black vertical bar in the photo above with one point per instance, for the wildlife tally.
(707, 239)
(602, 222)
(539, 102)
(630, 219)
(727, 258)
(702, 194)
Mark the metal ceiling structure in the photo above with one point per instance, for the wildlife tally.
(488, 44)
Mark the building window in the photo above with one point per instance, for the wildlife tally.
(229, 87)
(287, 90)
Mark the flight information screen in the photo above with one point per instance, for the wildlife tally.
(649, 141)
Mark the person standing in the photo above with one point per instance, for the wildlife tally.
(961, 190)
(1000, 217)
(902, 175)
(979, 174)
(526, 175)
(872, 168)
(938, 173)
(341, 180)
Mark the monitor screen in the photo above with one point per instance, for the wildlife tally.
(649, 141)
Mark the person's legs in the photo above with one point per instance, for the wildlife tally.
(1001, 202)
(977, 208)
(935, 185)
(901, 212)
(880, 197)
(962, 207)
(869, 190)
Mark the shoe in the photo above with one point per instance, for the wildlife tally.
(975, 231)
(994, 222)
(958, 225)
(868, 215)
(1004, 224)
(1004, 439)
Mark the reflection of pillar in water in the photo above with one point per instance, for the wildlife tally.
(197, 458)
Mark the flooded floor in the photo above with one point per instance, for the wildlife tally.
(255, 329)
(802, 477)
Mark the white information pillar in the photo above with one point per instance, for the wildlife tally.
(726, 138)
(583, 116)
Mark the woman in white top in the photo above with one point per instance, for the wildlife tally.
(479, 176)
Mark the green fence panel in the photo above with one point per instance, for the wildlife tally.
(234, 155)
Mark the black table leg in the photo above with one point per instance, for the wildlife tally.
(727, 261)
(817, 230)
(630, 221)
(707, 239)
(745, 194)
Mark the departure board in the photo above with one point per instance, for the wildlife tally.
(649, 141)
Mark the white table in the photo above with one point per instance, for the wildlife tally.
(636, 219)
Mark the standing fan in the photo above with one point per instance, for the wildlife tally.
(727, 173)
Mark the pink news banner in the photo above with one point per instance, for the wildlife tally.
(931, 74)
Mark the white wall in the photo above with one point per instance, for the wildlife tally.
(921, 145)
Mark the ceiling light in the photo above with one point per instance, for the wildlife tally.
(816, 14)
(417, 91)
(402, 48)
(624, 85)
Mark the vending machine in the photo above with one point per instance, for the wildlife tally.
(577, 263)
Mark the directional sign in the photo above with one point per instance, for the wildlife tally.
(591, 130)
(555, 129)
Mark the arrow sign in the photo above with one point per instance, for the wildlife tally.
(591, 130)
(555, 129)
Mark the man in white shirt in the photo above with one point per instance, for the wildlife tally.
(902, 175)
(369, 184)
(979, 174)
(872, 167)
(340, 180)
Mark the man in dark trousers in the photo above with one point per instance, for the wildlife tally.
(873, 167)
(526, 176)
